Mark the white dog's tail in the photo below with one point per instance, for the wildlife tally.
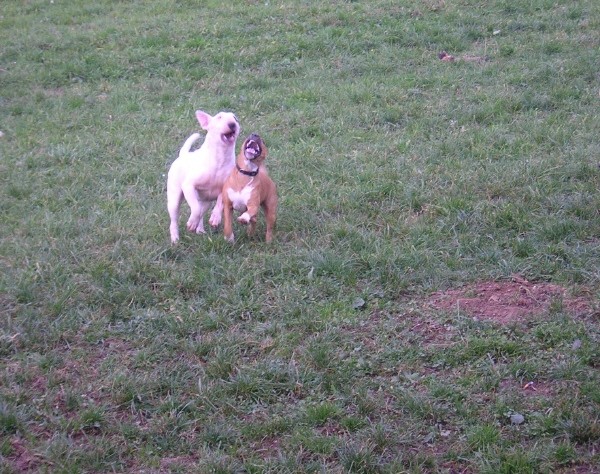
(188, 143)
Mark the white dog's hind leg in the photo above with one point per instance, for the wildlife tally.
(174, 227)
(174, 196)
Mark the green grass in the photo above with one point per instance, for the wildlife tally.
(398, 174)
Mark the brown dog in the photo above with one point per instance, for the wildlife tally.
(249, 187)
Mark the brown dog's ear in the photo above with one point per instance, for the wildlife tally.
(203, 118)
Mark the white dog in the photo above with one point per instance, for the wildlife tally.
(199, 175)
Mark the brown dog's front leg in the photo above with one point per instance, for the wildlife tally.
(249, 217)
(227, 218)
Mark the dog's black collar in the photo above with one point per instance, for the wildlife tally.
(247, 173)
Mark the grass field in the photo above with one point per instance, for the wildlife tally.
(401, 177)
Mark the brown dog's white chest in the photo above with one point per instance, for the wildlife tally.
(239, 199)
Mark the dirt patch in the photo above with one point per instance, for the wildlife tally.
(509, 301)
(268, 447)
(531, 389)
(21, 457)
(432, 333)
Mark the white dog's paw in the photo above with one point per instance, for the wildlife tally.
(174, 234)
(194, 225)
(215, 220)
(244, 218)
(230, 239)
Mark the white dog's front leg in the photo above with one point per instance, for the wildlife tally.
(195, 224)
(196, 221)
(217, 212)
(197, 209)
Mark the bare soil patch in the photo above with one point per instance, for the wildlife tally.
(22, 458)
(509, 301)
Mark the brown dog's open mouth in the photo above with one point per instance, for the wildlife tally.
(252, 149)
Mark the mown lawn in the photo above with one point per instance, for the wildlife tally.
(401, 176)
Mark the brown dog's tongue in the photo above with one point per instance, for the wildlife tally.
(252, 150)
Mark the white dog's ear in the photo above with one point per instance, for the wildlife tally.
(203, 118)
